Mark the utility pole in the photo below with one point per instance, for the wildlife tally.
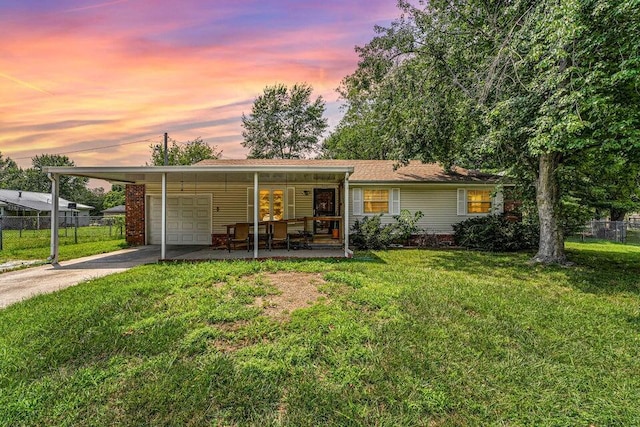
(166, 153)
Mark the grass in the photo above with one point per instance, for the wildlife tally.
(400, 338)
(66, 252)
(35, 244)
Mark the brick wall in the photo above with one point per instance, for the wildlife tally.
(134, 196)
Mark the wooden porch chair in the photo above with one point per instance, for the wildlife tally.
(240, 236)
(279, 233)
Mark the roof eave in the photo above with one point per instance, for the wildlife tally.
(407, 182)
(62, 170)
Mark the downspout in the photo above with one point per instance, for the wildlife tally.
(55, 207)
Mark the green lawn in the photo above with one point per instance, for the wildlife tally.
(402, 337)
(633, 237)
(35, 244)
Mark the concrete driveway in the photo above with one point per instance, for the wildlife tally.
(22, 284)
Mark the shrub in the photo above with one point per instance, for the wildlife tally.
(371, 234)
(407, 225)
(495, 233)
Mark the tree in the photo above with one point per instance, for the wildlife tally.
(184, 154)
(35, 179)
(284, 124)
(10, 173)
(115, 197)
(529, 86)
(607, 183)
(357, 137)
(93, 197)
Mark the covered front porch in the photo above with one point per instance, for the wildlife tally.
(206, 205)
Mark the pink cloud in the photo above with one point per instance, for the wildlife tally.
(123, 81)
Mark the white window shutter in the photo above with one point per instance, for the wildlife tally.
(498, 203)
(394, 205)
(462, 201)
(357, 201)
(249, 204)
(291, 202)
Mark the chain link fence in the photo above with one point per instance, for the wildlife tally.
(615, 231)
(26, 232)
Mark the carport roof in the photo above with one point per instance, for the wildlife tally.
(153, 174)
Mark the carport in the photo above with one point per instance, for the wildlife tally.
(182, 210)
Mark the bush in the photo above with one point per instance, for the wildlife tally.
(495, 233)
(407, 225)
(371, 234)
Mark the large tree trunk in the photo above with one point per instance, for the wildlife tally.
(551, 248)
(617, 214)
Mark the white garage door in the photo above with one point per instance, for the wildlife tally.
(188, 220)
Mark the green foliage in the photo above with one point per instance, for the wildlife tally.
(401, 338)
(35, 179)
(92, 197)
(284, 123)
(496, 234)
(369, 233)
(407, 224)
(9, 173)
(183, 154)
(513, 86)
(607, 183)
(115, 197)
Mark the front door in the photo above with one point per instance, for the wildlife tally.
(324, 204)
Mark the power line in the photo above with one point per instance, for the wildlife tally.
(91, 149)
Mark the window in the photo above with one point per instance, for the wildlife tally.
(370, 201)
(271, 204)
(375, 201)
(477, 202)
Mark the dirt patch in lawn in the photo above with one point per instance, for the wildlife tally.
(297, 290)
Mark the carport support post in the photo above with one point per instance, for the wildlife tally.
(55, 215)
(256, 220)
(346, 215)
(163, 219)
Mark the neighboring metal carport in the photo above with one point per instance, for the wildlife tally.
(161, 174)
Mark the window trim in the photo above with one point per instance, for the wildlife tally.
(495, 198)
(288, 201)
(393, 207)
(380, 200)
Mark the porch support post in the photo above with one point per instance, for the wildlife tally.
(55, 217)
(347, 252)
(163, 219)
(256, 220)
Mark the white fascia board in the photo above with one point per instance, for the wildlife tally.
(430, 183)
(62, 170)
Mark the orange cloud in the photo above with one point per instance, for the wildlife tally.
(114, 82)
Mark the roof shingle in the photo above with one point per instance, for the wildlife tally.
(373, 170)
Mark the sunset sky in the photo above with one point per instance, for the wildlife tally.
(78, 76)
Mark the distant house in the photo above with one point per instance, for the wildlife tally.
(115, 211)
(18, 203)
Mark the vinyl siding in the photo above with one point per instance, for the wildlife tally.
(437, 203)
(229, 201)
